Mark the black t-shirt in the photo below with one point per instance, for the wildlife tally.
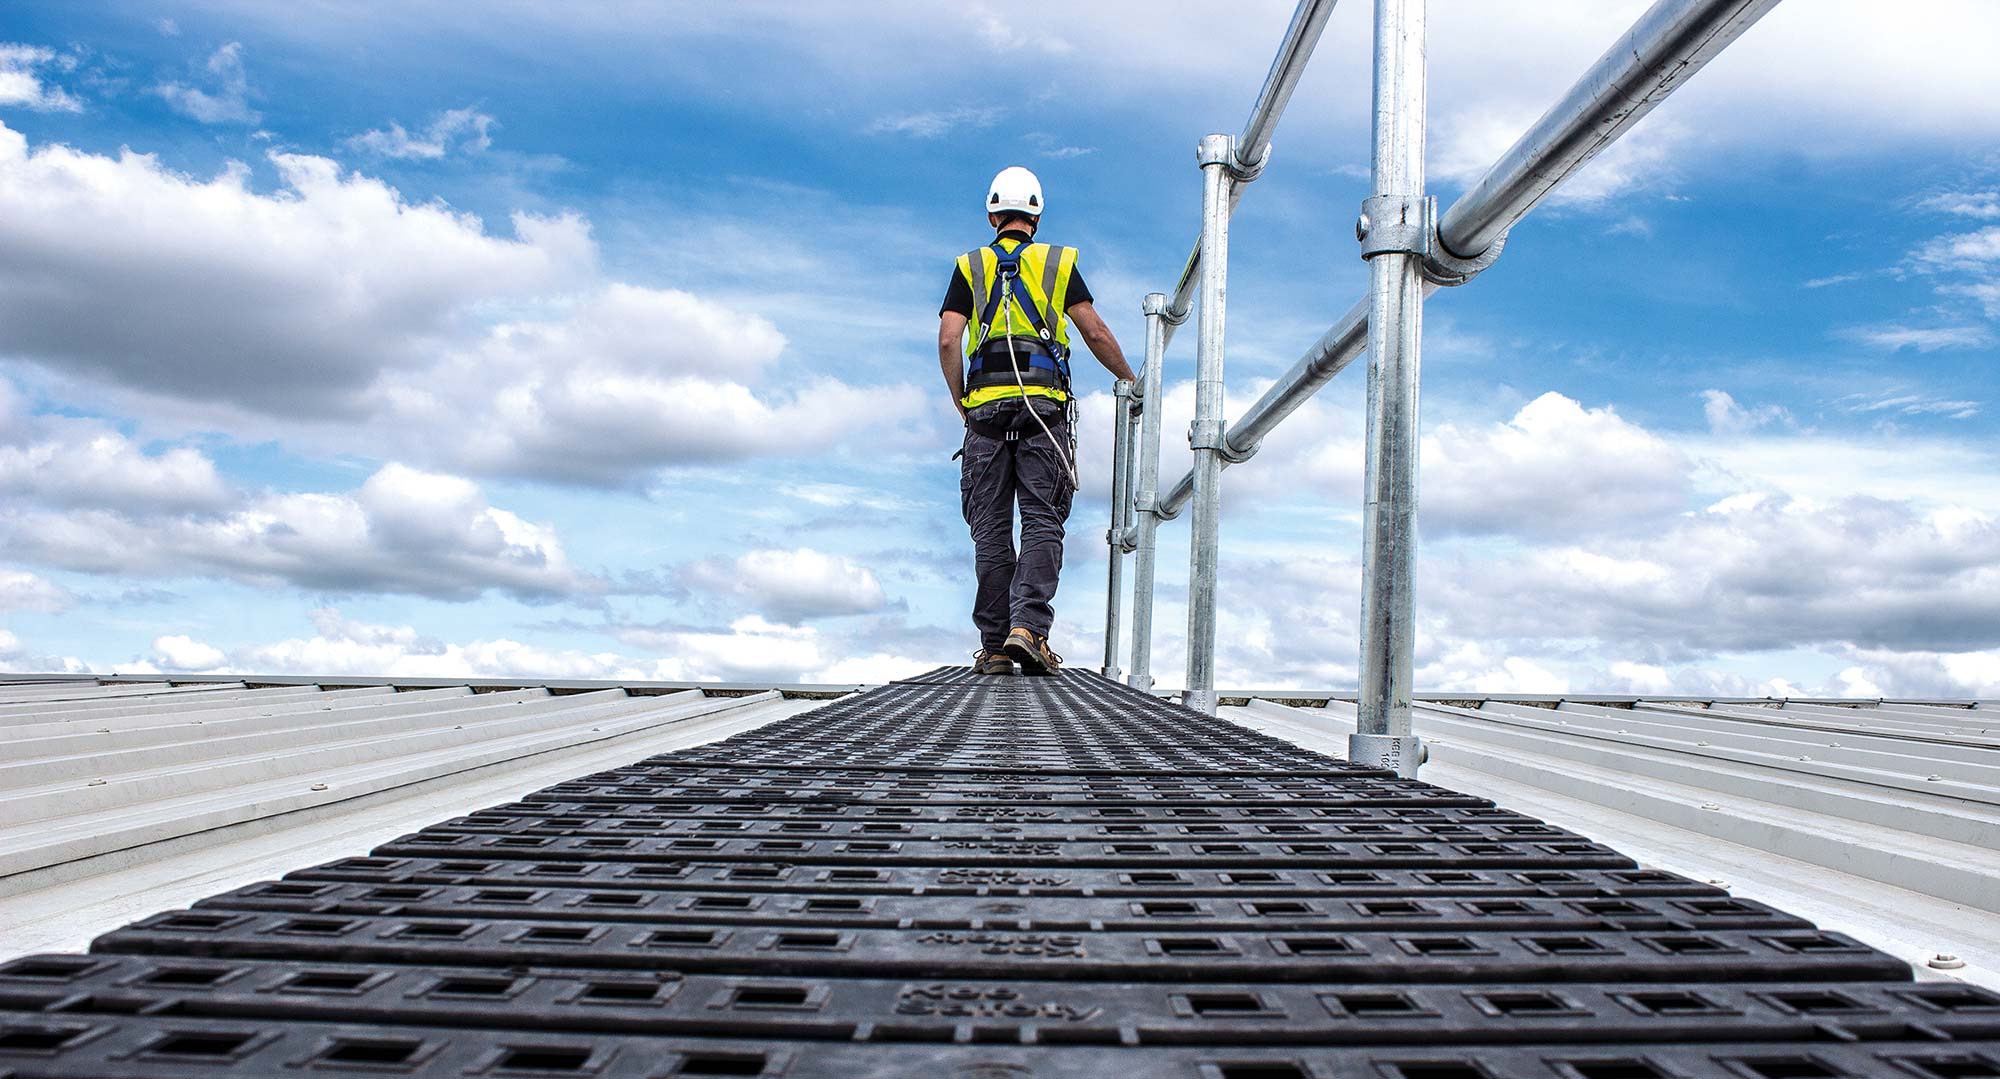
(958, 294)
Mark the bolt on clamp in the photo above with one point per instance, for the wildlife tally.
(1122, 388)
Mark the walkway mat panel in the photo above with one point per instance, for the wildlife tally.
(988, 878)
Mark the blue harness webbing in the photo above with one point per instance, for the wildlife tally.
(1052, 356)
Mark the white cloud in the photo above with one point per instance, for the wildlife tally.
(874, 668)
(1921, 338)
(23, 591)
(1555, 467)
(61, 461)
(1751, 573)
(1474, 668)
(1966, 265)
(1006, 30)
(1984, 205)
(791, 585)
(1882, 672)
(23, 82)
(1958, 252)
(1640, 677)
(630, 380)
(748, 649)
(1904, 403)
(334, 313)
(843, 496)
(466, 130)
(227, 98)
(403, 531)
(343, 646)
(295, 301)
(1726, 417)
(936, 123)
(179, 652)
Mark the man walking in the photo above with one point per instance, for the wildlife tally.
(1003, 344)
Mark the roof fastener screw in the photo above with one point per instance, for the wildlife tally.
(1719, 883)
(1804, 758)
(95, 783)
(1934, 779)
(1701, 743)
(1946, 961)
(319, 786)
(1710, 805)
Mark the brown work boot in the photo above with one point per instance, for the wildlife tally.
(1032, 652)
(984, 662)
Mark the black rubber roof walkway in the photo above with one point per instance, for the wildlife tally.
(988, 879)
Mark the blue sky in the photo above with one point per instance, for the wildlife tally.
(384, 339)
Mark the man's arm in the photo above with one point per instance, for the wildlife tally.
(1098, 336)
(951, 331)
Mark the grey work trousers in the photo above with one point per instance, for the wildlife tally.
(996, 475)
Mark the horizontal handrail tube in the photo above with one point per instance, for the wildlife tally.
(1330, 355)
(1657, 56)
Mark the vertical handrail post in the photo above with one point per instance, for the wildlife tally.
(1146, 490)
(1114, 537)
(1216, 154)
(1395, 229)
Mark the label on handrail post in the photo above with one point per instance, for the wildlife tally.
(1396, 753)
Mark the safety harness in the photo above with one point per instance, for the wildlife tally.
(1047, 360)
(1047, 357)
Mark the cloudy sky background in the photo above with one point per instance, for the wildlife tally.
(382, 339)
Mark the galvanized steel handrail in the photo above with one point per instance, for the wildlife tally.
(1248, 155)
(1632, 76)
(1400, 227)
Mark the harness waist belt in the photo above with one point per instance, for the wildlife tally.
(1036, 363)
(1013, 422)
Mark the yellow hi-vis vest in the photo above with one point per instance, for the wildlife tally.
(1045, 270)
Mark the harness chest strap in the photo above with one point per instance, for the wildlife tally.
(995, 273)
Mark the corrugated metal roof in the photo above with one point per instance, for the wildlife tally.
(1880, 820)
(116, 799)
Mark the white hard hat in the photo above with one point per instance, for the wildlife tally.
(1015, 189)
